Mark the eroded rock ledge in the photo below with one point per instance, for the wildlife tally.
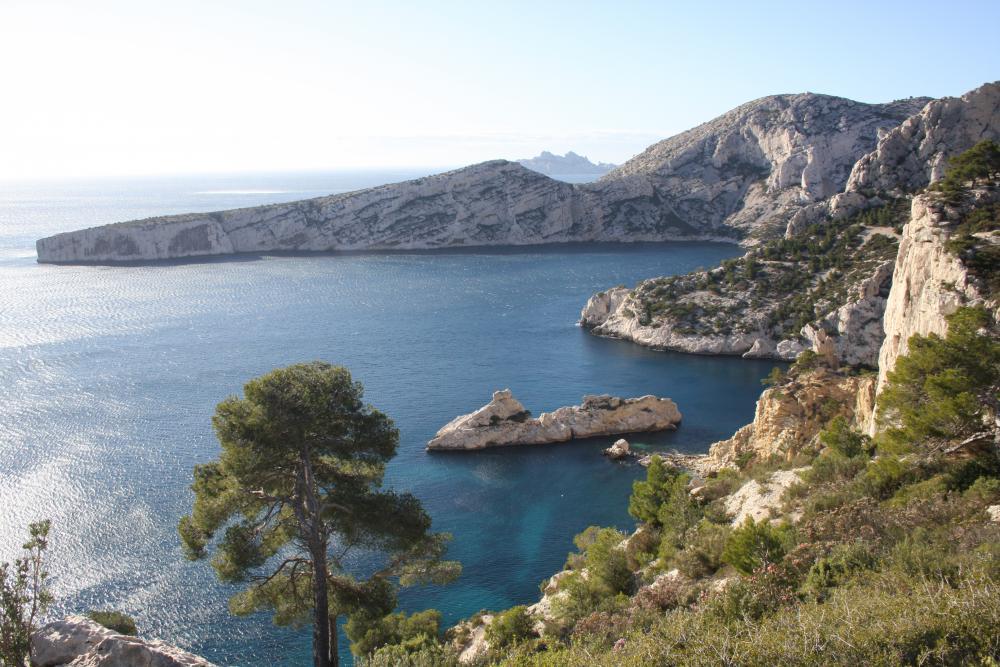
(504, 421)
(77, 641)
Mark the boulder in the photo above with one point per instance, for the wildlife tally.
(77, 641)
(619, 450)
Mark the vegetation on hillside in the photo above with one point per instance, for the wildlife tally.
(24, 597)
(884, 554)
(778, 287)
(975, 238)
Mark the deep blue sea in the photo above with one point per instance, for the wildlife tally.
(109, 377)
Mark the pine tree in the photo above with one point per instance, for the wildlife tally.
(295, 491)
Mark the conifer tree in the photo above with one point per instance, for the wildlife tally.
(295, 491)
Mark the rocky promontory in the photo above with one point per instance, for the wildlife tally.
(504, 421)
(737, 176)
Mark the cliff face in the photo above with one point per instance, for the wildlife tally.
(847, 326)
(752, 167)
(755, 306)
(916, 152)
(738, 174)
(789, 417)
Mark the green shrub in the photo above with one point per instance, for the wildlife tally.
(427, 655)
(754, 545)
(114, 620)
(509, 627)
(883, 476)
(837, 568)
(936, 391)
(841, 439)
(702, 555)
(411, 632)
(833, 467)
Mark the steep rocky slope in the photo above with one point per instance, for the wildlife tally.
(752, 167)
(824, 289)
(740, 174)
(783, 297)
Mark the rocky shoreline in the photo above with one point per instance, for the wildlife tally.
(504, 421)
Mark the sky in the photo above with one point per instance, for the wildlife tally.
(108, 88)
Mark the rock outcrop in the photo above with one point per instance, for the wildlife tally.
(505, 421)
(741, 173)
(619, 450)
(756, 165)
(760, 501)
(77, 641)
(929, 282)
(789, 417)
(740, 319)
(916, 152)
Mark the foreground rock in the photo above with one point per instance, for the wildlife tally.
(77, 641)
(505, 421)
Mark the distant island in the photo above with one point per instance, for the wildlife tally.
(570, 164)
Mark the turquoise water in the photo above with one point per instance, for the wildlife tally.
(109, 375)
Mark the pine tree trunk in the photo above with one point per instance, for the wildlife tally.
(334, 643)
(321, 614)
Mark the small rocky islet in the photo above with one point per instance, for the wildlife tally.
(504, 421)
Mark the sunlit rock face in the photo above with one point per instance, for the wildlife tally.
(739, 174)
(504, 421)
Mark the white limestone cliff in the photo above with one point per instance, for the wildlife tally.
(916, 152)
(738, 174)
(504, 421)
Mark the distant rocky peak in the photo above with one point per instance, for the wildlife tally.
(571, 164)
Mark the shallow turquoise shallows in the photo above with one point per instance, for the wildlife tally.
(109, 377)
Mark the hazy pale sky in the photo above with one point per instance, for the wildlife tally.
(93, 88)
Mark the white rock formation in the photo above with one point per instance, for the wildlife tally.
(917, 152)
(746, 169)
(612, 314)
(504, 421)
(758, 501)
(619, 450)
(853, 334)
(904, 158)
(77, 641)
(929, 283)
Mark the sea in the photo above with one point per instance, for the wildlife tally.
(109, 376)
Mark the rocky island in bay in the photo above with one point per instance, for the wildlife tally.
(504, 421)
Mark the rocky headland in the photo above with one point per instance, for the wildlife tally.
(824, 285)
(739, 176)
(504, 421)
